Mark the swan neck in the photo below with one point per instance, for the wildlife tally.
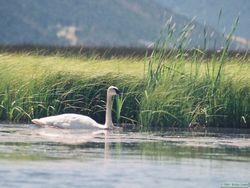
(108, 120)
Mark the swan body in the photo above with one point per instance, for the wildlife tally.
(81, 121)
(69, 121)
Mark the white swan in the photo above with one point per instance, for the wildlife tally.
(81, 121)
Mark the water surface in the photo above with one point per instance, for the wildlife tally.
(47, 157)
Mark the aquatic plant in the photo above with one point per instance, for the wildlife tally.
(166, 88)
(198, 92)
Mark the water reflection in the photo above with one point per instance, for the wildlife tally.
(78, 139)
(28, 142)
(69, 136)
(30, 157)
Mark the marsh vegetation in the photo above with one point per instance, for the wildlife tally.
(158, 90)
(166, 88)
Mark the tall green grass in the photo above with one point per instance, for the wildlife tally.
(200, 93)
(58, 93)
(167, 88)
(174, 92)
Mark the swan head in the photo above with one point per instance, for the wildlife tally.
(112, 91)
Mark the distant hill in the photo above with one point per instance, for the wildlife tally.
(207, 11)
(129, 23)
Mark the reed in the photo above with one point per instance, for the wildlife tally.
(167, 88)
(195, 93)
(184, 91)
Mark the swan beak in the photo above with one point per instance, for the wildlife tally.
(118, 92)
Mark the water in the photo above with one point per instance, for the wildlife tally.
(46, 157)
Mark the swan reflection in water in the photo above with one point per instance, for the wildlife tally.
(78, 137)
(70, 136)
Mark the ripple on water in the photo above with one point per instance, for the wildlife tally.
(47, 157)
(28, 141)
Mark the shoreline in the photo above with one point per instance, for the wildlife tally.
(110, 52)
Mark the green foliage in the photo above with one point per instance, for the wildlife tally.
(63, 93)
(168, 89)
(177, 95)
